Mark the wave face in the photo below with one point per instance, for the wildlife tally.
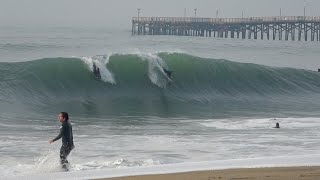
(136, 84)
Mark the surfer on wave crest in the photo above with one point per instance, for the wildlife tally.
(96, 71)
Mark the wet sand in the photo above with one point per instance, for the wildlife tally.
(273, 173)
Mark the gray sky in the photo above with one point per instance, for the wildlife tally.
(118, 13)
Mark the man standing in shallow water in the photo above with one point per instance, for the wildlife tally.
(67, 137)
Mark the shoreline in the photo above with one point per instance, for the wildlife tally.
(306, 167)
(274, 173)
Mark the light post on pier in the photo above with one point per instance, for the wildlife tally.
(304, 9)
(217, 13)
(138, 14)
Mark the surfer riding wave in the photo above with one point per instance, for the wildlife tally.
(96, 71)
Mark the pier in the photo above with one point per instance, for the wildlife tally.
(275, 28)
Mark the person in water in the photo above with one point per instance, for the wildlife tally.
(277, 125)
(96, 71)
(67, 137)
(169, 73)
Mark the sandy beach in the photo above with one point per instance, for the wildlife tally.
(272, 168)
(276, 173)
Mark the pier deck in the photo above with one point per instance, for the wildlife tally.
(278, 27)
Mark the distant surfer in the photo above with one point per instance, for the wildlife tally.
(169, 73)
(277, 125)
(96, 71)
(67, 138)
(318, 70)
(166, 71)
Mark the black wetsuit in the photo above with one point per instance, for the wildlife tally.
(67, 141)
(167, 72)
(96, 71)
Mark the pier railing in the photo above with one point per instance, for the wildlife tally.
(274, 19)
(282, 27)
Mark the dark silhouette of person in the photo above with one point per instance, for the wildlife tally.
(96, 71)
(169, 73)
(98, 75)
(277, 125)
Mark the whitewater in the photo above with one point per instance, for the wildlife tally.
(222, 104)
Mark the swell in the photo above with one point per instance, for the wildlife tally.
(130, 80)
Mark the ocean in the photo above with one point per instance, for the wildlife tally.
(222, 102)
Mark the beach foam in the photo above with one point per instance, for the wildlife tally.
(268, 162)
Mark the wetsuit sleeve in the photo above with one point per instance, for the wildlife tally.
(60, 134)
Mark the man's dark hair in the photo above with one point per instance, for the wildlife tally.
(65, 115)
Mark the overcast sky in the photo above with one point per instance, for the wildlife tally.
(118, 13)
